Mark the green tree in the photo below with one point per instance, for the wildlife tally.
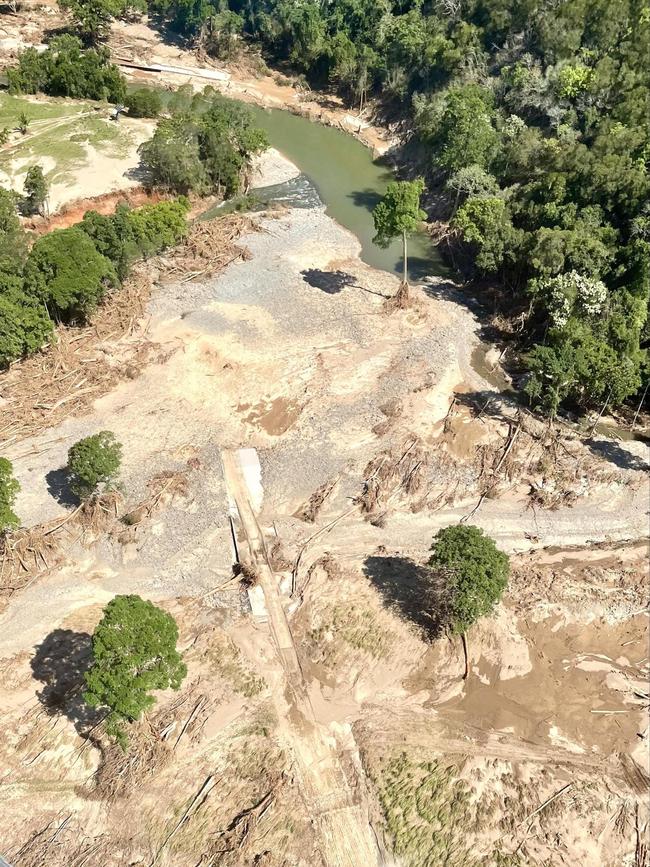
(94, 463)
(398, 215)
(478, 573)
(66, 69)
(205, 148)
(134, 653)
(24, 324)
(113, 237)
(36, 189)
(172, 158)
(23, 122)
(9, 487)
(222, 33)
(65, 270)
(485, 224)
(466, 134)
(13, 241)
(581, 367)
(93, 17)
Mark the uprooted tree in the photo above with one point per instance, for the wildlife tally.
(478, 574)
(93, 464)
(134, 652)
(398, 215)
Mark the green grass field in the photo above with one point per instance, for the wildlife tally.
(58, 134)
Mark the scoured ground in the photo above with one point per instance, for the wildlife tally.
(292, 353)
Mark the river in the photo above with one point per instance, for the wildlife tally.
(347, 180)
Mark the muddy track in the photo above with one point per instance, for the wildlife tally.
(339, 815)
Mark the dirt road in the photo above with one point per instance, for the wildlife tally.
(341, 818)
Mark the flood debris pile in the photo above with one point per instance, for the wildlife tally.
(208, 247)
(80, 365)
(400, 471)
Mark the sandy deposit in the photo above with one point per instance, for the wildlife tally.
(280, 354)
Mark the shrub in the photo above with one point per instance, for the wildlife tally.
(65, 270)
(9, 487)
(158, 226)
(93, 463)
(134, 652)
(143, 103)
(478, 573)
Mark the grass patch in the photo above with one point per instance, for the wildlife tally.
(357, 626)
(426, 812)
(429, 815)
(226, 660)
(11, 107)
(63, 143)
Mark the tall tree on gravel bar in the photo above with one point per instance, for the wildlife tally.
(134, 652)
(399, 215)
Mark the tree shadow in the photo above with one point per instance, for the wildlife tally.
(58, 486)
(60, 662)
(612, 451)
(331, 282)
(417, 593)
(367, 199)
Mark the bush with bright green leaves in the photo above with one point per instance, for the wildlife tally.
(476, 570)
(128, 234)
(9, 487)
(94, 464)
(143, 102)
(156, 227)
(67, 69)
(134, 652)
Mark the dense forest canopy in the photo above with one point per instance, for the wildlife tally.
(66, 273)
(532, 120)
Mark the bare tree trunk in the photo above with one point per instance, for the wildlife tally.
(405, 278)
(463, 638)
(638, 409)
(600, 414)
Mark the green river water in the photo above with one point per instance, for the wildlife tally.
(349, 183)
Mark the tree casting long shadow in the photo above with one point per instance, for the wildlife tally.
(60, 662)
(331, 282)
(417, 593)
